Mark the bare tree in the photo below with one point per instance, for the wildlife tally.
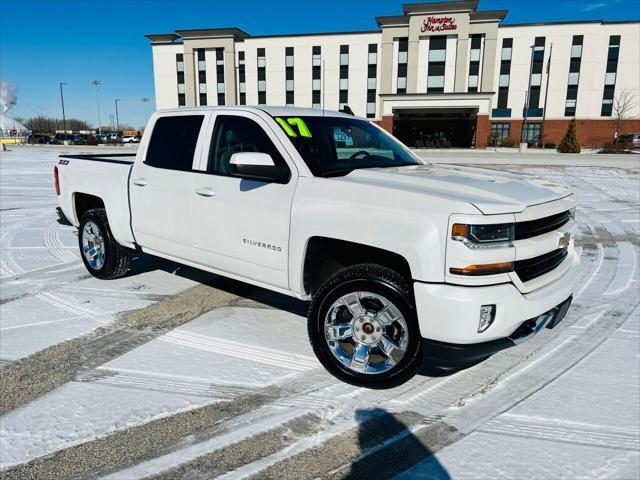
(623, 103)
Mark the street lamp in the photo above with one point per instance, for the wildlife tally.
(64, 118)
(117, 119)
(97, 84)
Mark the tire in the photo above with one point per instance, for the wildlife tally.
(352, 347)
(108, 259)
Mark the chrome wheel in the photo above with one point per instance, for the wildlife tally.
(93, 245)
(366, 332)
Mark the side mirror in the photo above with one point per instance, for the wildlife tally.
(257, 166)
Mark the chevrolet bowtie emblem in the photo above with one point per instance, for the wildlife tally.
(564, 240)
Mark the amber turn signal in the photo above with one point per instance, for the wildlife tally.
(487, 269)
(460, 230)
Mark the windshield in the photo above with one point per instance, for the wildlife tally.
(333, 146)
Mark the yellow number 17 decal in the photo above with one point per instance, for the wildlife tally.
(294, 122)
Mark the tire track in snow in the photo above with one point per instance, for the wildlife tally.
(8, 266)
(546, 429)
(267, 356)
(31, 377)
(55, 246)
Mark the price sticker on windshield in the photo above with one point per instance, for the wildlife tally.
(343, 134)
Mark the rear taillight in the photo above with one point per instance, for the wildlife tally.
(56, 179)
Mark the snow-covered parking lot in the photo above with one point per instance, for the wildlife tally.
(171, 372)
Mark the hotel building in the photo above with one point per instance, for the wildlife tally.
(439, 70)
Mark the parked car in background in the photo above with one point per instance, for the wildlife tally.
(60, 138)
(79, 139)
(630, 139)
(38, 138)
(114, 137)
(131, 139)
(102, 138)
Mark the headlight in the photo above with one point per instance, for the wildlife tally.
(498, 235)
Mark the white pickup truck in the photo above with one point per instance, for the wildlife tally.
(404, 262)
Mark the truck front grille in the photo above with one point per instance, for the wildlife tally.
(534, 267)
(533, 228)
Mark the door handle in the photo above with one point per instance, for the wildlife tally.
(205, 192)
(141, 182)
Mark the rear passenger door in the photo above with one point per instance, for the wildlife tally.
(242, 226)
(161, 186)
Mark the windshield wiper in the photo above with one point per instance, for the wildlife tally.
(337, 172)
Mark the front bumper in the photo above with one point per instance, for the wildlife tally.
(450, 313)
(454, 356)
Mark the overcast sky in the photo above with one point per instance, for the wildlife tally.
(44, 42)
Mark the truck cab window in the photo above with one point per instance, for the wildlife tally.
(235, 134)
(173, 142)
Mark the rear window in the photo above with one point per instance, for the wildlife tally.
(173, 142)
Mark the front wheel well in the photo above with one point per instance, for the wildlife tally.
(326, 256)
(83, 202)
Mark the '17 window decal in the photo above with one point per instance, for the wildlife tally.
(296, 122)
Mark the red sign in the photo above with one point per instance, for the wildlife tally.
(13, 133)
(438, 24)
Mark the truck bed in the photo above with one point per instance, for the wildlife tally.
(105, 176)
(126, 158)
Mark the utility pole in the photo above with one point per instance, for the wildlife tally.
(64, 118)
(97, 84)
(546, 95)
(526, 104)
(117, 119)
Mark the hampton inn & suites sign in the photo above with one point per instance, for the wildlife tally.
(438, 24)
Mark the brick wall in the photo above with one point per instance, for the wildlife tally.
(387, 123)
(482, 130)
(591, 133)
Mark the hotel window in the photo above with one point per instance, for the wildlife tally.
(220, 75)
(536, 77)
(403, 51)
(242, 79)
(435, 70)
(316, 69)
(372, 67)
(574, 76)
(531, 133)
(344, 77)
(262, 77)
(505, 73)
(499, 131)
(610, 76)
(288, 63)
(474, 63)
(180, 71)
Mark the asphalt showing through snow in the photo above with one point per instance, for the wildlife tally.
(174, 373)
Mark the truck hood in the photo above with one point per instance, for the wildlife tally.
(490, 191)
